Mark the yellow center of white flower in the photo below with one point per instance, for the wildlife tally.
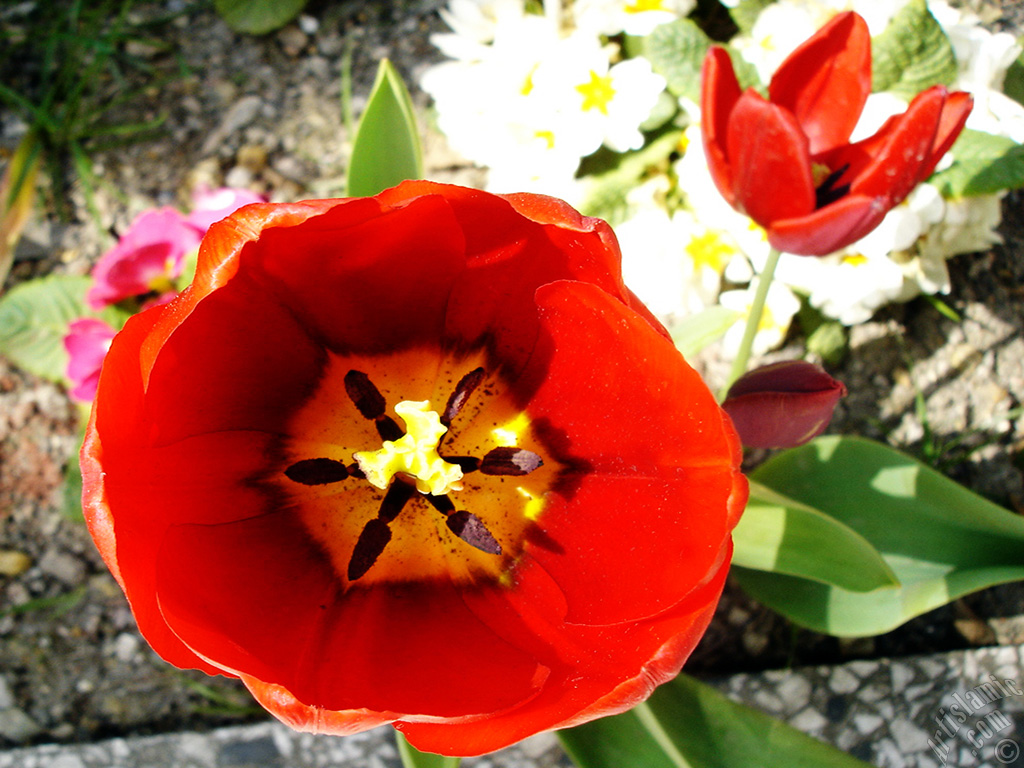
(414, 454)
(640, 6)
(596, 93)
(710, 250)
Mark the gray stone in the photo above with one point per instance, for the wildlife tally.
(18, 727)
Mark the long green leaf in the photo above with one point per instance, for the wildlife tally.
(17, 193)
(386, 149)
(941, 540)
(780, 535)
(413, 758)
(687, 724)
(694, 332)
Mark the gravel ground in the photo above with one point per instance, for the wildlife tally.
(265, 113)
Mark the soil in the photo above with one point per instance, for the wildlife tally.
(265, 112)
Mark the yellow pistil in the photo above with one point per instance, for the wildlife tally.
(597, 93)
(414, 454)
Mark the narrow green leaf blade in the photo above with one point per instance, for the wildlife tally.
(387, 148)
(687, 724)
(780, 535)
(413, 758)
(983, 164)
(257, 17)
(694, 333)
(941, 540)
(912, 54)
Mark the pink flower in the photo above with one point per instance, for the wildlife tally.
(86, 342)
(210, 205)
(147, 258)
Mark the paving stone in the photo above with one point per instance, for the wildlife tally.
(957, 710)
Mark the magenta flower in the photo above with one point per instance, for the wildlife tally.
(86, 342)
(147, 258)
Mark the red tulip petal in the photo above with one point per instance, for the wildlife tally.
(955, 112)
(720, 90)
(607, 399)
(602, 565)
(830, 228)
(293, 713)
(770, 164)
(623, 662)
(888, 165)
(826, 81)
(257, 596)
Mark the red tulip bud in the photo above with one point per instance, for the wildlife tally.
(782, 405)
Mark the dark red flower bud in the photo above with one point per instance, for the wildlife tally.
(782, 405)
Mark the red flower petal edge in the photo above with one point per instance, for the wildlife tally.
(417, 459)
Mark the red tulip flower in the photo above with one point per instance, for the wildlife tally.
(787, 161)
(419, 459)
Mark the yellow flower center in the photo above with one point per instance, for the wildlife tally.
(415, 453)
(596, 93)
(639, 6)
(709, 250)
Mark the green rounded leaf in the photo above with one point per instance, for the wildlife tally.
(386, 149)
(912, 54)
(941, 540)
(34, 319)
(983, 164)
(257, 17)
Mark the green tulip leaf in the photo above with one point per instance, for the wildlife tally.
(687, 724)
(386, 149)
(780, 535)
(413, 758)
(941, 540)
(912, 54)
(983, 164)
(258, 17)
(34, 318)
(694, 332)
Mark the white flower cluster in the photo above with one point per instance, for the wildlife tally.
(528, 94)
(531, 89)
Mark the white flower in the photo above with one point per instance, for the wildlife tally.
(634, 17)
(779, 308)
(474, 25)
(592, 101)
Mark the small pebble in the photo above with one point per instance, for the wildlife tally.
(13, 563)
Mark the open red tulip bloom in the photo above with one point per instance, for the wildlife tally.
(419, 458)
(787, 162)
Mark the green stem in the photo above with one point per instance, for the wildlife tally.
(739, 363)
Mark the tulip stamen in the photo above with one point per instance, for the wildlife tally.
(318, 471)
(376, 534)
(467, 526)
(371, 404)
(826, 192)
(467, 384)
(510, 460)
